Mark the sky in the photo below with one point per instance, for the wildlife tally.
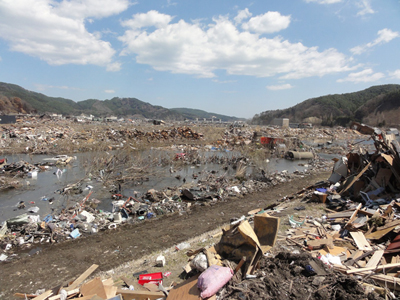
(231, 57)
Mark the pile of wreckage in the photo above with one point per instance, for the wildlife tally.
(360, 236)
(238, 254)
(25, 169)
(36, 139)
(164, 134)
(44, 138)
(239, 266)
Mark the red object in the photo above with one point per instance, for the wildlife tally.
(155, 278)
(180, 156)
(270, 140)
(265, 140)
(395, 244)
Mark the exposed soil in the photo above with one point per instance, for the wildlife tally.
(65, 261)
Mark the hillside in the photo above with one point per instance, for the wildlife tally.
(340, 109)
(15, 99)
(192, 114)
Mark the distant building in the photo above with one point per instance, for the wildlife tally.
(5, 119)
(111, 119)
(281, 122)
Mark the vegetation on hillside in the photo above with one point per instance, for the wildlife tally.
(338, 109)
(15, 99)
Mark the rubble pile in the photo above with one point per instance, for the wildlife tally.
(239, 266)
(165, 134)
(359, 236)
(295, 276)
(40, 138)
(45, 138)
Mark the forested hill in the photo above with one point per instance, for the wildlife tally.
(15, 99)
(375, 105)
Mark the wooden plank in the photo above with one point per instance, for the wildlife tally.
(317, 244)
(349, 184)
(69, 293)
(360, 240)
(44, 296)
(94, 286)
(88, 297)
(354, 260)
(336, 251)
(376, 235)
(375, 259)
(389, 224)
(127, 281)
(387, 281)
(151, 287)
(186, 290)
(110, 290)
(342, 214)
(353, 216)
(395, 259)
(381, 267)
(82, 278)
(142, 295)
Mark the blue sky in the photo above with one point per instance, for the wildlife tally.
(231, 57)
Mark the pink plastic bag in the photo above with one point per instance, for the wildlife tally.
(212, 279)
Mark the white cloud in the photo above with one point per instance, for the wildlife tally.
(55, 31)
(81, 9)
(201, 49)
(384, 36)
(269, 22)
(151, 18)
(242, 15)
(114, 67)
(324, 1)
(395, 74)
(366, 75)
(279, 87)
(109, 91)
(365, 6)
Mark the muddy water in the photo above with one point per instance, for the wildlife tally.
(38, 192)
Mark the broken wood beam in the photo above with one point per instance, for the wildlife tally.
(381, 267)
(82, 278)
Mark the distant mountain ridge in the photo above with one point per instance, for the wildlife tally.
(376, 106)
(190, 113)
(15, 99)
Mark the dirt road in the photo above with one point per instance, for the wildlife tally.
(109, 249)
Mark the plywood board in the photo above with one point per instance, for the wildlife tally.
(361, 241)
(375, 259)
(140, 295)
(380, 233)
(266, 229)
(187, 291)
(94, 286)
